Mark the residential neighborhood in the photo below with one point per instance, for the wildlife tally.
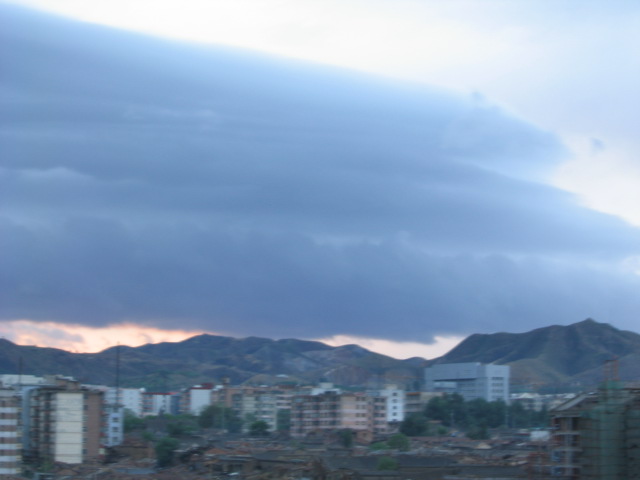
(56, 425)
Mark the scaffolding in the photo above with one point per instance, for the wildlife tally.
(597, 436)
(603, 435)
(632, 438)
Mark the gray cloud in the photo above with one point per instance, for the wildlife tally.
(172, 184)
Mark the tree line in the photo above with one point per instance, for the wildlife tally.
(474, 417)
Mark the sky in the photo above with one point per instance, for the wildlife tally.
(393, 173)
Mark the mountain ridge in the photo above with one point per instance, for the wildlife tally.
(548, 356)
(555, 354)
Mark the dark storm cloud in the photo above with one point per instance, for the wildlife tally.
(170, 184)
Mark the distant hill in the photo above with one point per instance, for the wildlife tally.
(558, 356)
(206, 358)
(555, 355)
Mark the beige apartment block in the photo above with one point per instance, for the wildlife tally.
(65, 423)
(335, 411)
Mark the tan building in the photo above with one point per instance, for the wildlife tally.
(258, 403)
(64, 423)
(415, 402)
(335, 411)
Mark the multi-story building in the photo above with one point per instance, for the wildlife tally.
(597, 435)
(64, 422)
(158, 403)
(113, 431)
(537, 402)
(471, 380)
(395, 402)
(415, 402)
(130, 398)
(10, 432)
(10, 380)
(196, 398)
(113, 414)
(334, 411)
(254, 403)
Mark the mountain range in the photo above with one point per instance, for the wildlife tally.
(554, 356)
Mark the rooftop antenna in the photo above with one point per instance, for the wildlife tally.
(20, 366)
(118, 374)
(612, 370)
(611, 383)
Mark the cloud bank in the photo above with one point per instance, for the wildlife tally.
(161, 183)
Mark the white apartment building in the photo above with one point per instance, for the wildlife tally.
(395, 400)
(9, 380)
(471, 380)
(129, 398)
(113, 425)
(158, 403)
(196, 398)
(10, 433)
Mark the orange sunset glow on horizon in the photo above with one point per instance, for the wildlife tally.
(86, 339)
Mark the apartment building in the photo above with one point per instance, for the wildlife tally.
(334, 411)
(10, 432)
(196, 398)
(158, 403)
(63, 422)
(395, 402)
(255, 402)
(415, 402)
(130, 398)
(113, 429)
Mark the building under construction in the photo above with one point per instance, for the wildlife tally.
(597, 435)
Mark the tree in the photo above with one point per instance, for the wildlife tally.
(378, 446)
(387, 463)
(131, 421)
(449, 409)
(399, 441)
(217, 416)
(165, 449)
(259, 428)
(178, 425)
(414, 425)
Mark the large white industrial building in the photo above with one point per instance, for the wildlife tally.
(471, 380)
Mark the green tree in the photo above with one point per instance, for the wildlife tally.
(478, 415)
(414, 425)
(259, 428)
(387, 463)
(399, 441)
(178, 425)
(378, 446)
(165, 449)
(131, 421)
(217, 416)
(451, 410)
